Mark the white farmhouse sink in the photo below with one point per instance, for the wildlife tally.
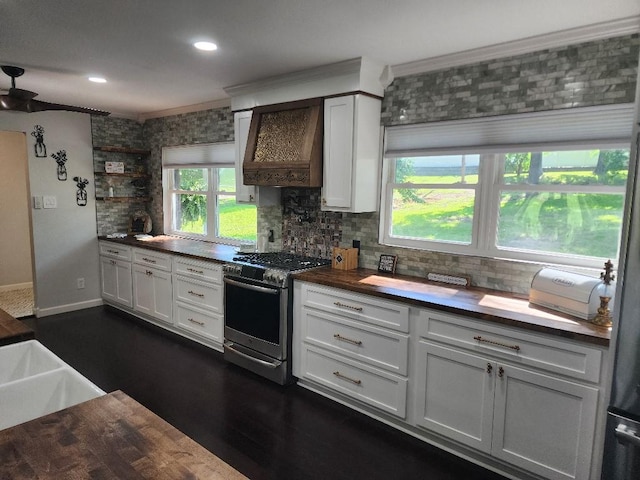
(35, 382)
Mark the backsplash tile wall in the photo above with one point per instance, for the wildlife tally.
(592, 73)
(114, 217)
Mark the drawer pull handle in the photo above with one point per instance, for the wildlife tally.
(148, 272)
(342, 305)
(500, 372)
(193, 270)
(339, 375)
(191, 292)
(150, 260)
(512, 347)
(115, 252)
(489, 368)
(196, 322)
(337, 336)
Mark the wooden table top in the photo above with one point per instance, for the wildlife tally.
(12, 330)
(110, 437)
(478, 303)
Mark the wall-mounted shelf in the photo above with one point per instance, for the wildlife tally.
(135, 151)
(124, 199)
(125, 174)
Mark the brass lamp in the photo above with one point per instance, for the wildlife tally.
(603, 317)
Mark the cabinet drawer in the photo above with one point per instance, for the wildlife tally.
(369, 385)
(536, 350)
(206, 324)
(205, 271)
(364, 308)
(376, 346)
(113, 250)
(152, 259)
(198, 293)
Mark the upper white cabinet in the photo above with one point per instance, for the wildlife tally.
(260, 196)
(351, 167)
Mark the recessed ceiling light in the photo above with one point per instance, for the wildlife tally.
(206, 46)
(97, 79)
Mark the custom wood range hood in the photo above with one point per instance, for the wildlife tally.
(284, 147)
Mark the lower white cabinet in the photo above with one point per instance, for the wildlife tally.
(199, 321)
(152, 293)
(523, 403)
(116, 280)
(534, 421)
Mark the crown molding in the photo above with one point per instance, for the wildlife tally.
(198, 107)
(598, 31)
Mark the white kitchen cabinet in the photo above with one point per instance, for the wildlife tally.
(152, 293)
(116, 280)
(351, 163)
(198, 299)
(352, 344)
(115, 273)
(249, 194)
(476, 387)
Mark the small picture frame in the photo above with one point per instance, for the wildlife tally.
(387, 263)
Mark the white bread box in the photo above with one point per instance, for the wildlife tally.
(572, 293)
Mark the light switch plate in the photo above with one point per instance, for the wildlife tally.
(37, 201)
(49, 201)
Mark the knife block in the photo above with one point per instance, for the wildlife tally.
(344, 258)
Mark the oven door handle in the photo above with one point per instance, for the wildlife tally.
(625, 435)
(256, 288)
(275, 364)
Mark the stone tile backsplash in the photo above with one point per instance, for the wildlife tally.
(588, 74)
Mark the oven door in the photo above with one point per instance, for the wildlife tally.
(255, 316)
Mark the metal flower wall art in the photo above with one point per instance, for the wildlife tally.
(61, 160)
(39, 147)
(81, 193)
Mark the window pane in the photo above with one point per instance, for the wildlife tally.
(190, 213)
(433, 214)
(438, 169)
(572, 223)
(583, 167)
(235, 220)
(227, 180)
(192, 179)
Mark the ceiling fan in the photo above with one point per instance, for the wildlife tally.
(23, 100)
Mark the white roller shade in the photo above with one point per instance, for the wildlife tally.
(598, 126)
(199, 155)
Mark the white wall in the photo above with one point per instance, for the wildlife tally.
(15, 235)
(65, 244)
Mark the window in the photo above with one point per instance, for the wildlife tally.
(200, 200)
(557, 202)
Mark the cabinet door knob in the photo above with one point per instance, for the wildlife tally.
(500, 372)
(324, 201)
(489, 368)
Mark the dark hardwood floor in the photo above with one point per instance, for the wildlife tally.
(264, 430)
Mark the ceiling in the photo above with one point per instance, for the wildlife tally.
(144, 47)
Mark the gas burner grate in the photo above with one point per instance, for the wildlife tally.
(282, 260)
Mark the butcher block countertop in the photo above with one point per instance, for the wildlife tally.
(197, 249)
(478, 303)
(112, 436)
(12, 330)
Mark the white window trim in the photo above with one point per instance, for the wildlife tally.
(207, 156)
(574, 129)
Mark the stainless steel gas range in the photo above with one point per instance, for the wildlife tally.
(258, 311)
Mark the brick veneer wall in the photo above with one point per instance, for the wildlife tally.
(592, 73)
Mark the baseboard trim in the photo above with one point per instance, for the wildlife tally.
(16, 286)
(70, 307)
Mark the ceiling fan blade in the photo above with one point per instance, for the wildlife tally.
(9, 102)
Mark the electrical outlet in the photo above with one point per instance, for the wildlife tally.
(356, 244)
(80, 283)
(49, 201)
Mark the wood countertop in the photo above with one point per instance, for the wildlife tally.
(112, 436)
(12, 330)
(186, 247)
(478, 303)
